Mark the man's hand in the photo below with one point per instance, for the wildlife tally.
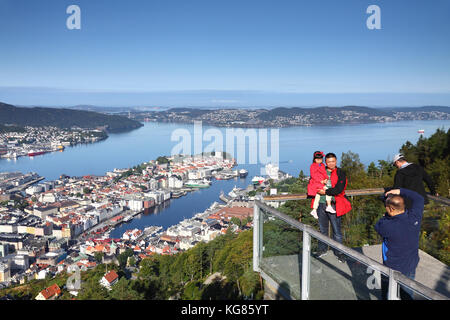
(322, 192)
(393, 191)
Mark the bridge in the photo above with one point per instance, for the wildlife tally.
(282, 249)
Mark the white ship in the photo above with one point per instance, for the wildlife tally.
(243, 173)
(198, 183)
(257, 180)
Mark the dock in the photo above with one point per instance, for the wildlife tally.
(25, 185)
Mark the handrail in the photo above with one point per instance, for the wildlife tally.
(320, 236)
(440, 199)
(397, 276)
(359, 192)
(302, 196)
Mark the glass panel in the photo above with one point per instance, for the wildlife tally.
(282, 254)
(409, 294)
(336, 276)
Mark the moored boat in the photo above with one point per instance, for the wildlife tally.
(33, 153)
(257, 180)
(197, 184)
(243, 173)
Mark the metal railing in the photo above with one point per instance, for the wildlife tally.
(395, 278)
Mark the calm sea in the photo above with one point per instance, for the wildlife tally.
(296, 145)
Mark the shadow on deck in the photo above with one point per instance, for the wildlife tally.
(350, 280)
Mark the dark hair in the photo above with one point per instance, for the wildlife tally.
(330, 155)
(395, 202)
(317, 155)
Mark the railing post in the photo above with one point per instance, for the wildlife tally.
(257, 237)
(306, 262)
(393, 287)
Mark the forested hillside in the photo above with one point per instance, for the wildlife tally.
(63, 118)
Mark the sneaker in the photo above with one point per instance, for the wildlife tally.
(341, 257)
(330, 209)
(320, 254)
(314, 214)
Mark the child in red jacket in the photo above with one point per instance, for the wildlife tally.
(318, 181)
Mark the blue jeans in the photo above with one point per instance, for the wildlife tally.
(409, 293)
(405, 293)
(324, 219)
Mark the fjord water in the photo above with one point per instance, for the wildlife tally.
(373, 142)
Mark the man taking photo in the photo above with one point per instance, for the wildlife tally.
(400, 229)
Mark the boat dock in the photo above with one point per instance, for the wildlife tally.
(26, 185)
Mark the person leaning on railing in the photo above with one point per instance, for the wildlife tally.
(412, 176)
(400, 229)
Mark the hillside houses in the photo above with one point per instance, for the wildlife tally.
(67, 220)
(109, 279)
(50, 293)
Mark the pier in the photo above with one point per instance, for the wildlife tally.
(25, 185)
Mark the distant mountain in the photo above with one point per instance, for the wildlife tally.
(419, 109)
(64, 118)
(295, 116)
(320, 111)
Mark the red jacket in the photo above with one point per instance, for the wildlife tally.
(338, 186)
(317, 173)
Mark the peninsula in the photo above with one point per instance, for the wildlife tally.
(289, 117)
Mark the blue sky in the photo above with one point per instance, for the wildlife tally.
(230, 53)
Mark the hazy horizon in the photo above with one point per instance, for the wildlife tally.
(220, 99)
(231, 53)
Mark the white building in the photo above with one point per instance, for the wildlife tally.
(8, 228)
(272, 171)
(109, 279)
(47, 197)
(5, 272)
(42, 274)
(34, 189)
(174, 182)
(189, 231)
(136, 204)
(157, 195)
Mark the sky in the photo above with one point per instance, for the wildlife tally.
(225, 53)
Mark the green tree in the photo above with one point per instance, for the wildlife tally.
(125, 290)
(149, 267)
(98, 256)
(236, 221)
(123, 257)
(132, 261)
(92, 290)
(192, 291)
(162, 160)
(373, 171)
